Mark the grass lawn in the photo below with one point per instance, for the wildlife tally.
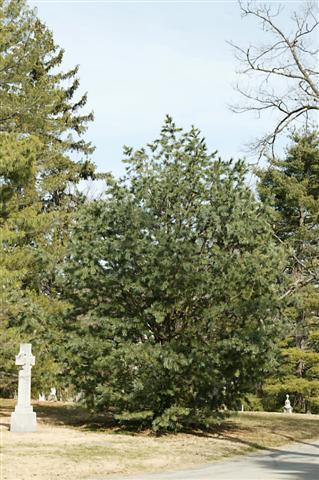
(71, 445)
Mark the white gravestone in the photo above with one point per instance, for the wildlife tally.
(52, 395)
(287, 407)
(23, 419)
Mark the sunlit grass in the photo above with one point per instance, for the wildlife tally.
(70, 443)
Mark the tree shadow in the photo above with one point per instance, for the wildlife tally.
(277, 452)
(5, 413)
(293, 439)
(73, 416)
(281, 464)
(58, 413)
(214, 431)
(288, 469)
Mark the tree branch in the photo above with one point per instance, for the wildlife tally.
(285, 64)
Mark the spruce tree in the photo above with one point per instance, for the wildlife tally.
(291, 187)
(41, 130)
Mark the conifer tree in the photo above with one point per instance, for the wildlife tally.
(291, 187)
(41, 128)
(173, 282)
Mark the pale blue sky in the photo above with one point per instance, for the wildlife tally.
(142, 60)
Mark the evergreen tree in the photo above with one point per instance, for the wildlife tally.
(173, 281)
(291, 187)
(41, 126)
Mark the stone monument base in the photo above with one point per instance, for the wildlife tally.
(22, 421)
(287, 409)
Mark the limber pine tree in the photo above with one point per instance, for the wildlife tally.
(174, 283)
(41, 125)
(291, 187)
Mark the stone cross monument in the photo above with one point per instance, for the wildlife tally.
(23, 419)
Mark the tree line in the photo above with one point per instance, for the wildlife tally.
(179, 293)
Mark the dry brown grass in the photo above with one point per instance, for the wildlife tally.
(71, 445)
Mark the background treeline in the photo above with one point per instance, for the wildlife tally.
(178, 293)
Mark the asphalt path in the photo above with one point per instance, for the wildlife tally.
(299, 461)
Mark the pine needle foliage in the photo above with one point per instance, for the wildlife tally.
(174, 283)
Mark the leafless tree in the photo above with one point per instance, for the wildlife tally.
(283, 73)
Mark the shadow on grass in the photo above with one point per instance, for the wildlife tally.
(75, 415)
(256, 446)
(59, 413)
(289, 438)
(229, 427)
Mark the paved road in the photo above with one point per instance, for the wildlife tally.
(299, 461)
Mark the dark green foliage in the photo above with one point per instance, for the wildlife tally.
(173, 280)
(291, 187)
(41, 124)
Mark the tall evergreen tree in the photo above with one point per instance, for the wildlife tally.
(173, 279)
(291, 187)
(41, 126)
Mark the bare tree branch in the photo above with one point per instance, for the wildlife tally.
(287, 64)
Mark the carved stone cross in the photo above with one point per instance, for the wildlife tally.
(23, 419)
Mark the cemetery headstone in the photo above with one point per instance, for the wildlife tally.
(52, 395)
(23, 419)
(287, 407)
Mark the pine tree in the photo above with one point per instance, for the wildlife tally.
(291, 186)
(41, 126)
(173, 282)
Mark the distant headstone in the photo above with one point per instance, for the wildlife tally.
(23, 419)
(287, 407)
(41, 397)
(52, 395)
